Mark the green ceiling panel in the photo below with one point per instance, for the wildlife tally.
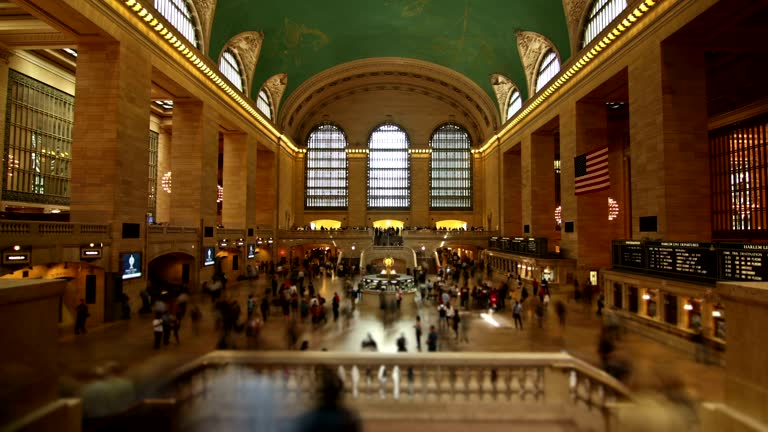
(473, 37)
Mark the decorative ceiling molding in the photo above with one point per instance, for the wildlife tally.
(205, 10)
(392, 70)
(575, 11)
(275, 86)
(502, 86)
(247, 47)
(532, 47)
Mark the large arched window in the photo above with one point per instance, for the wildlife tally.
(326, 171)
(601, 14)
(263, 104)
(230, 67)
(389, 180)
(549, 67)
(515, 103)
(450, 169)
(179, 14)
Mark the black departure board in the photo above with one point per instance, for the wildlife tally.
(743, 262)
(629, 253)
(520, 245)
(689, 259)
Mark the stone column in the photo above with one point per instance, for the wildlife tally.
(669, 144)
(239, 182)
(420, 202)
(163, 167)
(266, 181)
(357, 209)
(538, 184)
(512, 200)
(194, 161)
(110, 159)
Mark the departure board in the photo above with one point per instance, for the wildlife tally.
(629, 253)
(743, 262)
(689, 259)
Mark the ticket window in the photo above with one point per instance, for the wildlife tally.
(618, 296)
(651, 302)
(693, 309)
(633, 299)
(718, 324)
(670, 309)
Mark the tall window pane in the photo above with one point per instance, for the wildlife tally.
(263, 104)
(549, 67)
(450, 169)
(179, 14)
(601, 14)
(515, 103)
(154, 141)
(326, 170)
(231, 69)
(389, 182)
(37, 151)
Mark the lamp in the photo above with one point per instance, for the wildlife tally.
(646, 297)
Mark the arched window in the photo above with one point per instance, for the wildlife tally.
(515, 103)
(326, 171)
(389, 180)
(179, 14)
(601, 14)
(549, 67)
(450, 169)
(263, 104)
(230, 67)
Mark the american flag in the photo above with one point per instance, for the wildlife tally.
(592, 171)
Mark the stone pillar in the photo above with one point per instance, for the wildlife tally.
(512, 199)
(239, 182)
(420, 202)
(163, 167)
(538, 184)
(266, 181)
(194, 160)
(110, 159)
(4, 55)
(357, 209)
(669, 144)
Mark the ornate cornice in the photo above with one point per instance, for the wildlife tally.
(247, 46)
(575, 11)
(532, 46)
(502, 86)
(275, 86)
(205, 10)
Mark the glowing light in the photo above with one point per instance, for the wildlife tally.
(219, 194)
(688, 306)
(646, 297)
(166, 182)
(613, 209)
(489, 319)
(716, 314)
(558, 215)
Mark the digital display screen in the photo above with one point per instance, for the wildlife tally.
(209, 256)
(131, 265)
(16, 257)
(251, 250)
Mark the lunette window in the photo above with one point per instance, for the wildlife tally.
(389, 184)
(263, 104)
(515, 103)
(179, 14)
(450, 169)
(549, 67)
(601, 14)
(230, 67)
(326, 170)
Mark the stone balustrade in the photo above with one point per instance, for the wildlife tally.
(326, 234)
(32, 233)
(446, 234)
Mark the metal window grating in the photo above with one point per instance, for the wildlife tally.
(230, 67)
(263, 104)
(515, 103)
(326, 171)
(601, 14)
(179, 14)
(450, 169)
(389, 183)
(549, 67)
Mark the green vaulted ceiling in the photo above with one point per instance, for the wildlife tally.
(474, 37)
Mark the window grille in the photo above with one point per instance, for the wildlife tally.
(515, 103)
(601, 14)
(263, 104)
(549, 67)
(450, 169)
(739, 175)
(389, 183)
(154, 140)
(326, 171)
(230, 67)
(38, 142)
(179, 14)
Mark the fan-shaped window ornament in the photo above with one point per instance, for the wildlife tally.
(230, 67)
(550, 66)
(601, 14)
(179, 14)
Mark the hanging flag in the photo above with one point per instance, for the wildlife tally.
(592, 171)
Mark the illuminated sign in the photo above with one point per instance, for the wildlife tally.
(209, 256)
(90, 253)
(251, 250)
(16, 257)
(131, 265)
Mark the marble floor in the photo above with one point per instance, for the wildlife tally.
(130, 342)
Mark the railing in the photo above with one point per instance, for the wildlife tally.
(543, 377)
(446, 234)
(42, 233)
(230, 232)
(169, 229)
(326, 234)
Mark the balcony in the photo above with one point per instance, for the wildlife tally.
(440, 235)
(349, 234)
(47, 234)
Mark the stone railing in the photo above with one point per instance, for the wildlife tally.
(43, 233)
(322, 234)
(235, 233)
(170, 229)
(556, 381)
(444, 234)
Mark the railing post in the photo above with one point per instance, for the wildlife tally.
(556, 388)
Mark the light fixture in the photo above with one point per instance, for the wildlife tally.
(16, 247)
(716, 314)
(55, 211)
(646, 297)
(688, 306)
(557, 166)
(423, 247)
(166, 182)
(219, 193)
(613, 209)
(559, 215)
(353, 247)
